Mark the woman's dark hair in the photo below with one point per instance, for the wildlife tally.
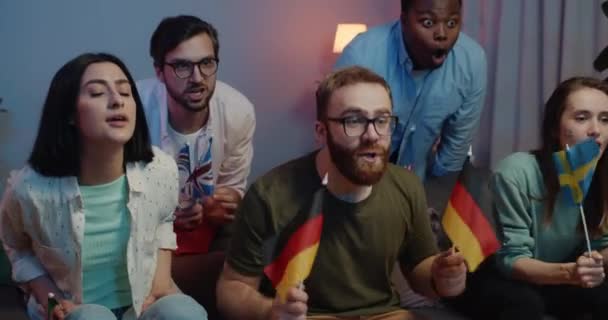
(57, 149)
(596, 201)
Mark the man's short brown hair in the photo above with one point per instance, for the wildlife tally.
(342, 78)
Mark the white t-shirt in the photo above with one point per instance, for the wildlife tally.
(179, 140)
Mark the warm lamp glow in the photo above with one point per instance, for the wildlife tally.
(345, 33)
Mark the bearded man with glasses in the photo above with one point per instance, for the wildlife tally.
(373, 214)
(208, 127)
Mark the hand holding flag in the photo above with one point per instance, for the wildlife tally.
(195, 233)
(589, 270)
(449, 273)
(295, 306)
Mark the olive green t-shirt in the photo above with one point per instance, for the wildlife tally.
(360, 242)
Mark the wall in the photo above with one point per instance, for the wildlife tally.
(274, 51)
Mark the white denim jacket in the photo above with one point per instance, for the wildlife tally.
(42, 226)
(232, 127)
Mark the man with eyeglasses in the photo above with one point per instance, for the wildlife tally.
(208, 127)
(437, 76)
(373, 215)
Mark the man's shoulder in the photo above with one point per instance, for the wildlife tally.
(152, 93)
(401, 173)
(402, 179)
(377, 34)
(147, 86)
(467, 65)
(370, 45)
(469, 49)
(284, 176)
(234, 101)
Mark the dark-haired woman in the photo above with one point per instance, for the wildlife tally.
(89, 218)
(543, 266)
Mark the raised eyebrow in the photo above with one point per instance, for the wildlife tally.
(352, 110)
(424, 11)
(208, 57)
(431, 14)
(380, 113)
(180, 60)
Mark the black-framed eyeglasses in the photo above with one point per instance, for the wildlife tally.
(355, 126)
(183, 68)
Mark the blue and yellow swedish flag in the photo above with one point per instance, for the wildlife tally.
(575, 167)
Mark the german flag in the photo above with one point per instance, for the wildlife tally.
(468, 220)
(293, 262)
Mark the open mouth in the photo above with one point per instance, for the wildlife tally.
(370, 156)
(196, 93)
(117, 119)
(439, 55)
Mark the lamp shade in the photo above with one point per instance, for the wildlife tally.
(345, 32)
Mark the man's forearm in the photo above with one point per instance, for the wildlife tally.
(237, 301)
(420, 278)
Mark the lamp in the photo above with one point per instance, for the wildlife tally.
(345, 32)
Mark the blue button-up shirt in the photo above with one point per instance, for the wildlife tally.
(445, 102)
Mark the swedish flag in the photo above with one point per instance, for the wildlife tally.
(575, 167)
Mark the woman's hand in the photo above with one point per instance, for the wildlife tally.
(62, 309)
(159, 291)
(590, 270)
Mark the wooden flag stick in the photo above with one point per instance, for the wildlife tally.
(581, 210)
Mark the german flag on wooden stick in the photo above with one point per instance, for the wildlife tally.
(293, 263)
(468, 220)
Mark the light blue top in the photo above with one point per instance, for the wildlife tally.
(50, 211)
(518, 189)
(105, 280)
(446, 101)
